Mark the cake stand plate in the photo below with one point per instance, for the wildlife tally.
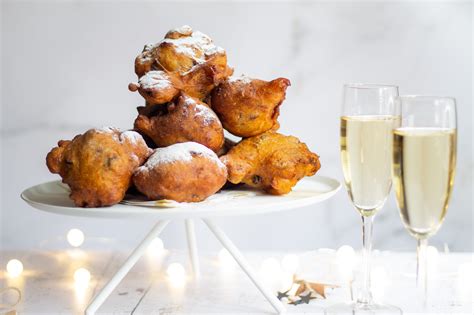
(54, 197)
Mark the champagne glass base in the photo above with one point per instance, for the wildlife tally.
(362, 309)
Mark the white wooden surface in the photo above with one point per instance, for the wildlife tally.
(48, 287)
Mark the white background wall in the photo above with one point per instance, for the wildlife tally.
(66, 66)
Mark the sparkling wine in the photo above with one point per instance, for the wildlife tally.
(366, 153)
(424, 166)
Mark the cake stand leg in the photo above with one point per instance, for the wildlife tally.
(192, 247)
(122, 272)
(227, 243)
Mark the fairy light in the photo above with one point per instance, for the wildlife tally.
(345, 256)
(176, 274)
(271, 266)
(270, 273)
(286, 281)
(379, 281)
(432, 254)
(345, 253)
(82, 277)
(225, 258)
(156, 246)
(324, 250)
(75, 237)
(465, 278)
(14, 268)
(290, 263)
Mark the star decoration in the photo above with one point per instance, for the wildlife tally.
(302, 292)
(296, 302)
(306, 298)
(282, 295)
(301, 288)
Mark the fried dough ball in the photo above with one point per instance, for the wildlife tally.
(192, 55)
(270, 161)
(184, 172)
(202, 79)
(98, 165)
(248, 107)
(187, 119)
(157, 87)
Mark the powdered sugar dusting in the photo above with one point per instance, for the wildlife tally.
(132, 137)
(149, 46)
(184, 30)
(201, 111)
(182, 152)
(243, 78)
(106, 129)
(155, 80)
(205, 113)
(197, 46)
(147, 54)
(109, 131)
(189, 101)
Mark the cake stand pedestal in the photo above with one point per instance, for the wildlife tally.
(53, 197)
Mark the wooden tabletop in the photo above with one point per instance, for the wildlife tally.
(48, 287)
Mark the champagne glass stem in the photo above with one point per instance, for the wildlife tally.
(367, 226)
(421, 267)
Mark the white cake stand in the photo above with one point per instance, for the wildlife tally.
(53, 197)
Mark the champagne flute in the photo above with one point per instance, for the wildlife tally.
(424, 162)
(369, 116)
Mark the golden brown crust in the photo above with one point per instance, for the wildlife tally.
(204, 78)
(157, 87)
(270, 161)
(55, 156)
(189, 54)
(248, 107)
(185, 172)
(187, 119)
(98, 165)
(160, 87)
(179, 32)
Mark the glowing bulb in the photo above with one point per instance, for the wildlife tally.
(75, 237)
(270, 273)
(156, 246)
(225, 258)
(176, 274)
(345, 253)
(345, 256)
(466, 272)
(286, 281)
(465, 279)
(379, 282)
(82, 276)
(290, 263)
(14, 268)
(271, 266)
(324, 250)
(432, 253)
